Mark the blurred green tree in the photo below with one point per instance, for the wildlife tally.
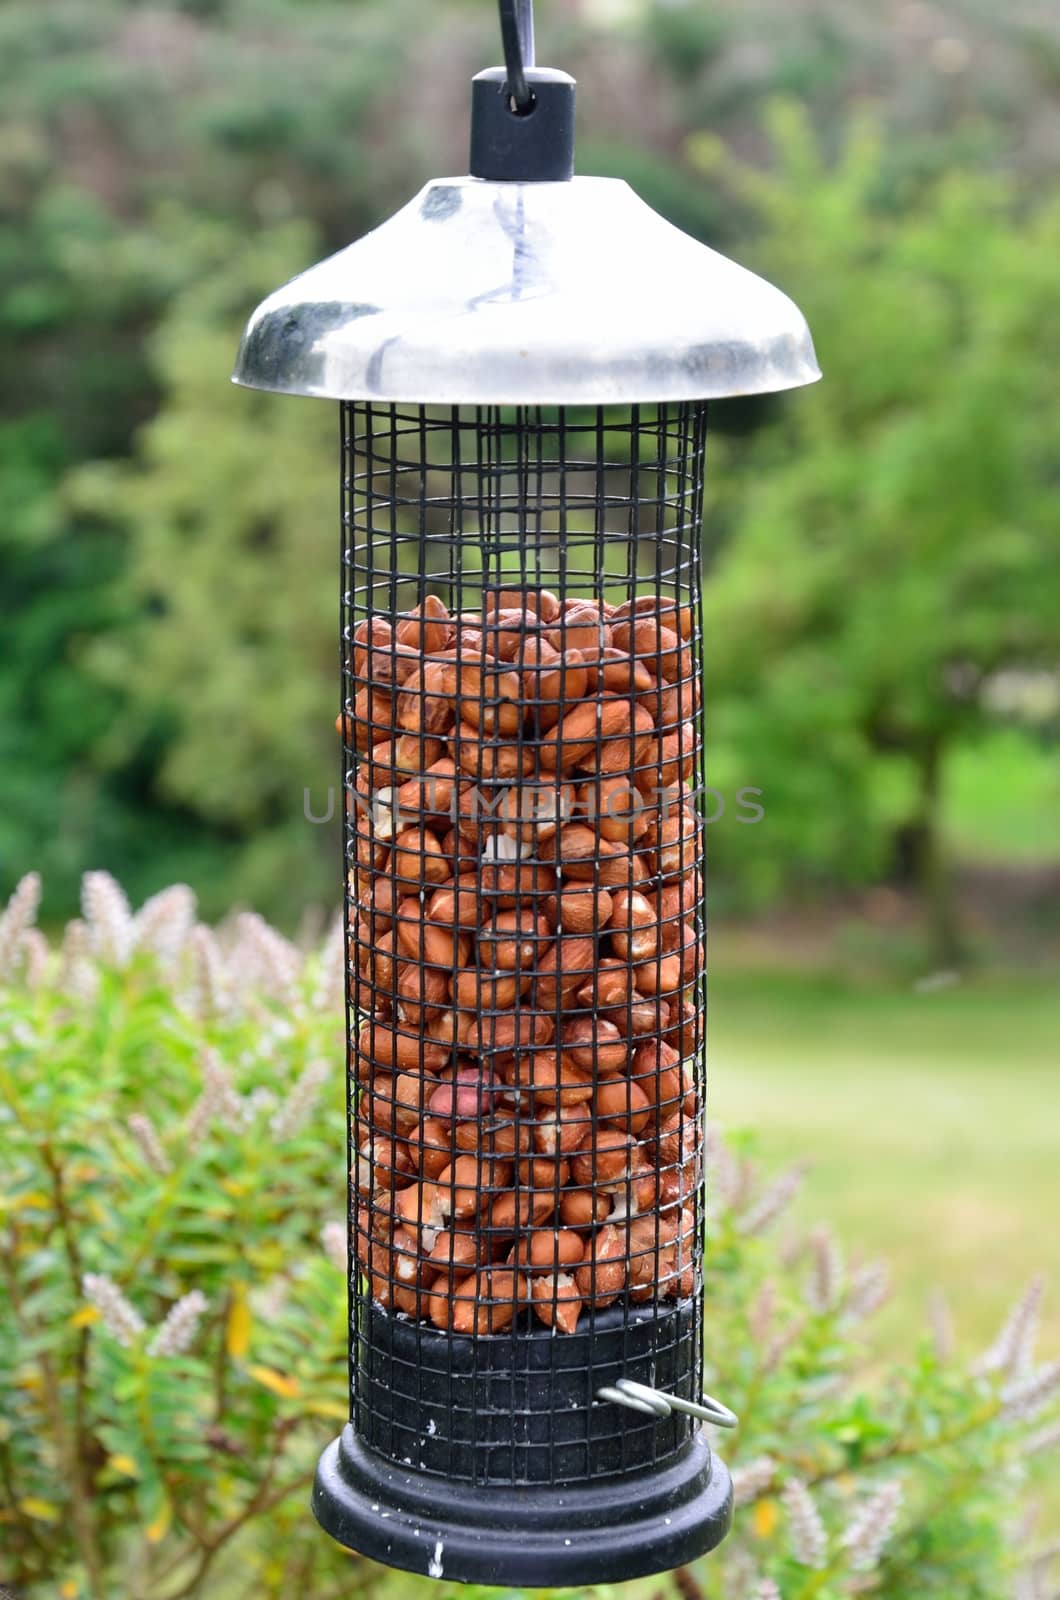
(888, 541)
(230, 667)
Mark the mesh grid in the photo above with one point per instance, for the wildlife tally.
(524, 853)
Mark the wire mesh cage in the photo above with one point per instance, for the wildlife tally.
(525, 897)
(524, 360)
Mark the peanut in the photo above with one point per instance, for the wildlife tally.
(468, 1093)
(623, 1103)
(551, 680)
(592, 731)
(593, 1044)
(548, 1079)
(473, 990)
(542, 603)
(579, 908)
(398, 1047)
(640, 1016)
(418, 859)
(372, 719)
(514, 941)
(581, 627)
(602, 1157)
(426, 704)
(617, 671)
(426, 629)
(517, 883)
(622, 755)
(509, 1031)
(548, 1250)
(465, 1186)
(382, 1163)
(490, 699)
(509, 1215)
(456, 904)
(561, 1131)
(609, 985)
(486, 1301)
(633, 926)
(616, 808)
(538, 1172)
(557, 1301)
(432, 793)
(531, 814)
(581, 1208)
(429, 1147)
(648, 640)
(484, 759)
(602, 1275)
(563, 967)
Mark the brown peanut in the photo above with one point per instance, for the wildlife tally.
(541, 603)
(633, 926)
(623, 1103)
(487, 1301)
(426, 629)
(552, 680)
(581, 1208)
(417, 859)
(595, 1044)
(548, 1250)
(427, 702)
(579, 908)
(602, 1157)
(514, 941)
(557, 1301)
(602, 1275)
(563, 967)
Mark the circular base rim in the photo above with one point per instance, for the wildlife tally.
(523, 1537)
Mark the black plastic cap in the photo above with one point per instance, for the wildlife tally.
(535, 146)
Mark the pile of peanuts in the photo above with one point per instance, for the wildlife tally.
(525, 873)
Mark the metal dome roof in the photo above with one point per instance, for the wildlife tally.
(487, 293)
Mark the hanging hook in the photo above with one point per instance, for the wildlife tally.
(517, 36)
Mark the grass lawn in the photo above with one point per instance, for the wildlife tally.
(1003, 799)
(932, 1121)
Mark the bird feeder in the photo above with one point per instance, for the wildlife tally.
(523, 361)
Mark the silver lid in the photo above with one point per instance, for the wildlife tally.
(486, 293)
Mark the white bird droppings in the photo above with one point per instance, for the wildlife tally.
(434, 1565)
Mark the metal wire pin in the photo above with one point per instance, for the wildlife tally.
(653, 1403)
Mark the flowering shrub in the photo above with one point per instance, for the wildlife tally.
(172, 1326)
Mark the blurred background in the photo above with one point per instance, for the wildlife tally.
(884, 604)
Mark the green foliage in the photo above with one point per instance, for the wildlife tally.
(173, 1325)
(129, 1462)
(229, 666)
(888, 534)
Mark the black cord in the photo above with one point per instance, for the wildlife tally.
(517, 35)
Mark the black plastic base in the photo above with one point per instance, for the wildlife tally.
(520, 1407)
(609, 1532)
